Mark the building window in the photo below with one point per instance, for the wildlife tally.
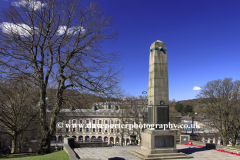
(80, 138)
(105, 130)
(87, 121)
(106, 122)
(100, 129)
(117, 122)
(87, 129)
(67, 129)
(117, 130)
(112, 130)
(73, 129)
(74, 121)
(80, 129)
(111, 121)
(100, 122)
(93, 129)
(93, 121)
(206, 140)
(80, 121)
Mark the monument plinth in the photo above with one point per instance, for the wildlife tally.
(158, 142)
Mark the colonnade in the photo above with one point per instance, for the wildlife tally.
(109, 139)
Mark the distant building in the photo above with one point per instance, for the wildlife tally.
(204, 133)
(85, 124)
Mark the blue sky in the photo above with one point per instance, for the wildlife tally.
(202, 39)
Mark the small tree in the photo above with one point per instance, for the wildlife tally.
(219, 101)
(133, 109)
(18, 109)
(179, 107)
(188, 108)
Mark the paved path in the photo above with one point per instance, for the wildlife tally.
(103, 153)
(205, 154)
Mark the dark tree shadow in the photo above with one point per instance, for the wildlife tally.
(116, 158)
(192, 150)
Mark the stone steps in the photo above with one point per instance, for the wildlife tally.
(159, 154)
(145, 156)
(165, 155)
(169, 157)
(141, 156)
(141, 152)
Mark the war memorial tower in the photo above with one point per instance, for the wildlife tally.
(158, 142)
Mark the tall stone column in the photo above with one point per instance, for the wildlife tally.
(158, 142)
(158, 92)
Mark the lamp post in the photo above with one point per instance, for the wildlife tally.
(192, 127)
(145, 92)
(192, 123)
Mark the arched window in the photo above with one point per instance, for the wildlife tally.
(60, 138)
(74, 121)
(105, 139)
(80, 138)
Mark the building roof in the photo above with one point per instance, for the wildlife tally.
(91, 111)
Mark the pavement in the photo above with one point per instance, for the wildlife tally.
(104, 153)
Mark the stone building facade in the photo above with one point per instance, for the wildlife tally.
(102, 121)
(205, 133)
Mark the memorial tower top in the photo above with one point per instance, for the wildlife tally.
(158, 45)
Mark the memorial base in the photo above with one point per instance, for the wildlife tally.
(158, 144)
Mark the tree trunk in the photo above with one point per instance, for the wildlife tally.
(46, 136)
(234, 140)
(224, 139)
(53, 119)
(49, 129)
(14, 144)
(45, 143)
(20, 143)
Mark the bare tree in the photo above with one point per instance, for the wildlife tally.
(133, 110)
(234, 113)
(18, 109)
(218, 100)
(138, 113)
(123, 116)
(57, 42)
(235, 124)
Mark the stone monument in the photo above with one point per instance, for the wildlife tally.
(158, 142)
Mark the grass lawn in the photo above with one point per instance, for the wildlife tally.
(60, 155)
(237, 147)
